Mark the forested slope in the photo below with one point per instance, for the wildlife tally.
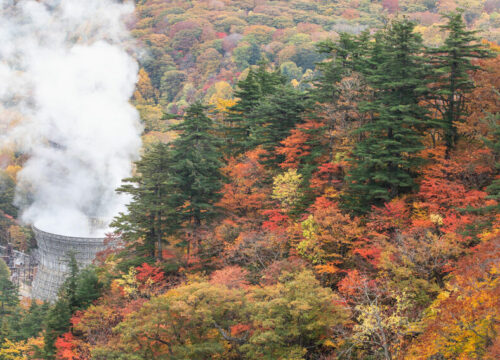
(290, 209)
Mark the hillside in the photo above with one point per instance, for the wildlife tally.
(197, 50)
(318, 180)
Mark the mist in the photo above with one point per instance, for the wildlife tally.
(66, 77)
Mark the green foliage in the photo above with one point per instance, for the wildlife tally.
(88, 287)
(56, 324)
(287, 320)
(385, 161)
(275, 115)
(340, 62)
(184, 322)
(7, 192)
(171, 83)
(151, 214)
(266, 110)
(453, 64)
(8, 300)
(32, 321)
(79, 290)
(196, 162)
(241, 119)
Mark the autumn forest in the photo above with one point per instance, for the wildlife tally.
(317, 180)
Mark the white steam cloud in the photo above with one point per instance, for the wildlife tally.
(65, 81)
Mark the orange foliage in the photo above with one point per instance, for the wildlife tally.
(297, 145)
(65, 346)
(394, 215)
(244, 195)
(230, 276)
(486, 99)
(464, 321)
(327, 178)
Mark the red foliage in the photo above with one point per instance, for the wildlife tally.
(354, 283)
(322, 202)
(370, 254)
(239, 329)
(277, 221)
(273, 272)
(146, 273)
(451, 184)
(350, 14)
(327, 174)
(386, 219)
(76, 318)
(65, 346)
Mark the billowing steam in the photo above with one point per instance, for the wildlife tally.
(65, 81)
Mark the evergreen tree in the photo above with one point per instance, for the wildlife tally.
(196, 161)
(78, 291)
(7, 193)
(241, 118)
(9, 299)
(384, 161)
(151, 213)
(452, 62)
(275, 115)
(56, 324)
(88, 288)
(339, 64)
(32, 321)
(68, 289)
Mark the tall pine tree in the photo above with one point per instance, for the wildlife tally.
(241, 119)
(275, 115)
(151, 215)
(196, 163)
(452, 82)
(384, 161)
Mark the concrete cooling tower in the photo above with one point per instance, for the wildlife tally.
(54, 251)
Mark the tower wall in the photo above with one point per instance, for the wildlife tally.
(54, 251)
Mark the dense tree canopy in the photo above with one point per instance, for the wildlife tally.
(319, 180)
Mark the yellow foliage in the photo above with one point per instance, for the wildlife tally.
(20, 350)
(12, 171)
(129, 283)
(436, 219)
(286, 188)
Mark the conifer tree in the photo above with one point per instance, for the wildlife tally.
(241, 118)
(56, 324)
(32, 321)
(151, 213)
(340, 63)
(384, 161)
(275, 115)
(88, 287)
(452, 63)
(196, 161)
(80, 288)
(8, 300)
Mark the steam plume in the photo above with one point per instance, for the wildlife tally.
(65, 81)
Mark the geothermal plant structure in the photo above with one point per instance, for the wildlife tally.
(54, 251)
